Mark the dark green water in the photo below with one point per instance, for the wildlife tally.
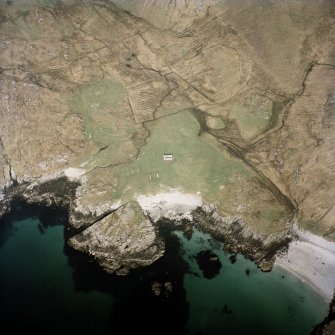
(46, 287)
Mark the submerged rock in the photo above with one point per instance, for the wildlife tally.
(233, 259)
(224, 310)
(156, 288)
(159, 288)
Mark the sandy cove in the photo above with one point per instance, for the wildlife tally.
(312, 259)
(174, 205)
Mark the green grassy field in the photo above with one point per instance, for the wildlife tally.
(200, 165)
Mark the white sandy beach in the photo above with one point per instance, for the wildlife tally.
(312, 259)
(174, 205)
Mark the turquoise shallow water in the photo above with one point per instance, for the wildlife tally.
(44, 286)
(259, 303)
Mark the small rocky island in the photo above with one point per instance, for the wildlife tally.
(209, 263)
(220, 114)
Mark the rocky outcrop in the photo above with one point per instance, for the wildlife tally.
(119, 238)
(54, 190)
(121, 241)
(208, 263)
(240, 238)
(122, 237)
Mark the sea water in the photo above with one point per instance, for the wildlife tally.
(242, 299)
(45, 286)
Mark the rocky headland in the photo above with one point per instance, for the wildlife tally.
(239, 94)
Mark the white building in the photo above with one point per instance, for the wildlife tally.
(168, 157)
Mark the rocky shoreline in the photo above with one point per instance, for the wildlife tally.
(327, 326)
(125, 236)
(239, 238)
(107, 233)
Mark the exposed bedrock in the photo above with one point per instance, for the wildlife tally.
(122, 240)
